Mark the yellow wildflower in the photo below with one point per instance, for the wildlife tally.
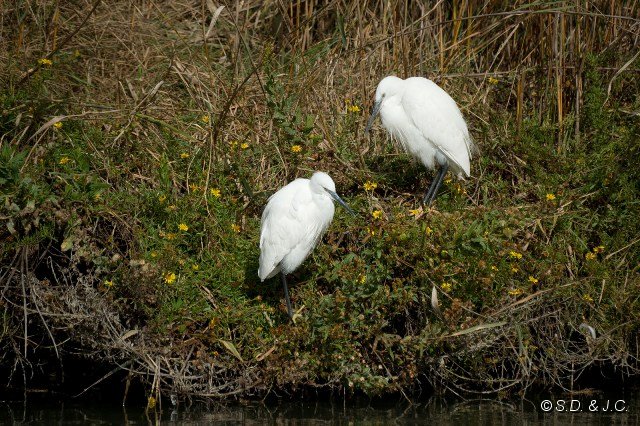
(154, 254)
(494, 268)
(244, 145)
(550, 197)
(515, 255)
(195, 267)
(370, 186)
(184, 155)
(428, 230)
(493, 80)
(108, 283)
(64, 160)
(235, 227)
(233, 144)
(215, 192)
(151, 402)
(446, 287)
(45, 61)
(353, 108)
(532, 279)
(170, 236)
(169, 277)
(590, 256)
(515, 292)
(172, 208)
(97, 196)
(514, 269)
(57, 125)
(587, 298)
(598, 249)
(448, 180)
(371, 232)
(377, 214)
(205, 119)
(183, 227)
(162, 198)
(296, 148)
(193, 187)
(415, 212)
(362, 279)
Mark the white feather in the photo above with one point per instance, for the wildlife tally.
(293, 222)
(426, 121)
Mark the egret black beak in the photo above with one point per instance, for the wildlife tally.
(340, 201)
(374, 113)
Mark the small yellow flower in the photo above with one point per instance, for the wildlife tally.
(415, 212)
(64, 160)
(353, 108)
(193, 187)
(446, 287)
(108, 283)
(296, 148)
(370, 186)
(493, 80)
(550, 197)
(362, 279)
(532, 279)
(244, 145)
(97, 196)
(195, 267)
(184, 155)
(494, 268)
(428, 230)
(57, 125)
(515, 292)
(172, 208)
(377, 214)
(169, 277)
(233, 144)
(514, 269)
(598, 249)
(205, 119)
(587, 298)
(181, 262)
(448, 180)
(170, 236)
(371, 232)
(215, 192)
(590, 256)
(151, 402)
(515, 255)
(45, 61)
(154, 254)
(235, 227)
(183, 227)
(162, 198)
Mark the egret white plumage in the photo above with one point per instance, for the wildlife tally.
(293, 222)
(427, 123)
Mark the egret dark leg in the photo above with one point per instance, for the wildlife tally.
(435, 185)
(286, 294)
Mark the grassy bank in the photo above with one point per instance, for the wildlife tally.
(140, 142)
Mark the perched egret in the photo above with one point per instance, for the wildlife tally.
(427, 123)
(293, 222)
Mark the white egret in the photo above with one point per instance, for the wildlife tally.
(293, 222)
(427, 123)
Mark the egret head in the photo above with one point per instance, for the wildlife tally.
(387, 88)
(323, 184)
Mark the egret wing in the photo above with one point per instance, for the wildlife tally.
(437, 117)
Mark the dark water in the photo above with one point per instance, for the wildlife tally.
(595, 409)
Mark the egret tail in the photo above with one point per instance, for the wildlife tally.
(286, 294)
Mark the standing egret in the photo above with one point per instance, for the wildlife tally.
(293, 222)
(427, 123)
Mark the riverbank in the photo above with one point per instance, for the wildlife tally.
(136, 159)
